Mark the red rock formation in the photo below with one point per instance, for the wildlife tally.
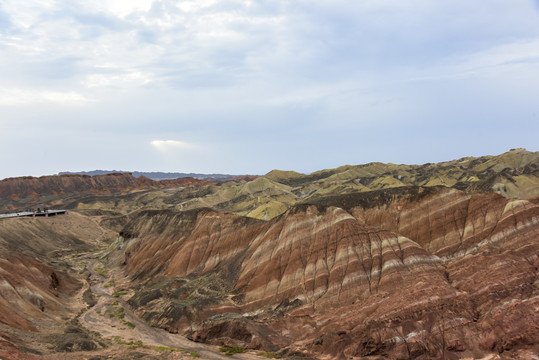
(186, 242)
(69, 185)
(400, 273)
(326, 258)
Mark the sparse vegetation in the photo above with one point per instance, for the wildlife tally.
(140, 344)
(269, 355)
(231, 350)
(167, 348)
(119, 293)
(137, 343)
(101, 271)
(130, 324)
(163, 348)
(184, 296)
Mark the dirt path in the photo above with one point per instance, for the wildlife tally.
(112, 318)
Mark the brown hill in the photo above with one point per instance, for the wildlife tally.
(23, 192)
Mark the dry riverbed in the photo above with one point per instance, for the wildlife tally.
(110, 318)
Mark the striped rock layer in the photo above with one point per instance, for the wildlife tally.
(423, 273)
(51, 191)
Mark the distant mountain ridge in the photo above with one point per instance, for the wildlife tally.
(514, 175)
(155, 175)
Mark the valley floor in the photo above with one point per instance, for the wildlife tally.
(92, 323)
(112, 318)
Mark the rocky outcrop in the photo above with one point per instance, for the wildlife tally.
(235, 330)
(399, 273)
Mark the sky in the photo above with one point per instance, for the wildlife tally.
(244, 87)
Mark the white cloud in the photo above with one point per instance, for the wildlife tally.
(133, 78)
(520, 59)
(190, 6)
(170, 145)
(123, 7)
(504, 55)
(22, 97)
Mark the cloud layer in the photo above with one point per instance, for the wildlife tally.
(168, 145)
(263, 84)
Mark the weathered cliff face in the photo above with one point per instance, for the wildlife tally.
(415, 272)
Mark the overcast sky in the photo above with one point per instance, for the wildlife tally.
(240, 87)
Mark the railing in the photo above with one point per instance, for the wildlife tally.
(44, 213)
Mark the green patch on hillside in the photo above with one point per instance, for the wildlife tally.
(231, 350)
(101, 270)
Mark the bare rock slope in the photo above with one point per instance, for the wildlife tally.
(414, 272)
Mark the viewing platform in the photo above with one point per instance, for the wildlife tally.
(42, 213)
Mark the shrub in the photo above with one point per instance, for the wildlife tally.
(269, 355)
(231, 350)
(101, 271)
